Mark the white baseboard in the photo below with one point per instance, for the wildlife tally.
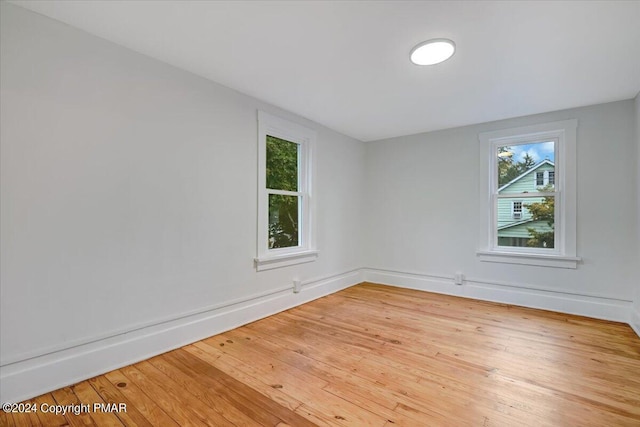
(635, 320)
(584, 305)
(28, 378)
(25, 379)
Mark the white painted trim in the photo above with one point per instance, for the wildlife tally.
(564, 133)
(25, 379)
(634, 321)
(306, 138)
(133, 328)
(583, 305)
(277, 261)
(529, 259)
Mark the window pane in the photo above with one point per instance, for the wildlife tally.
(516, 210)
(282, 164)
(526, 167)
(283, 221)
(526, 222)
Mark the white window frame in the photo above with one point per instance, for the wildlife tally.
(267, 258)
(563, 255)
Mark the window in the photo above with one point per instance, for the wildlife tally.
(527, 216)
(285, 199)
(284, 192)
(543, 178)
(516, 210)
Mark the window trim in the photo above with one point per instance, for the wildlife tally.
(267, 259)
(564, 254)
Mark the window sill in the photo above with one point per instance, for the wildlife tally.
(556, 261)
(276, 261)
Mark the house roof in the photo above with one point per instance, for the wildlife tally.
(523, 174)
(513, 224)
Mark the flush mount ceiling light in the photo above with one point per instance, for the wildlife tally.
(432, 52)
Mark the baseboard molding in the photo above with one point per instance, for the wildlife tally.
(29, 378)
(635, 320)
(584, 305)
(25, 379)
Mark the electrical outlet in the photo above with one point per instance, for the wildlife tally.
(297, 285)
(458, 278)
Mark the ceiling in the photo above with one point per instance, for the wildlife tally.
(346, 64)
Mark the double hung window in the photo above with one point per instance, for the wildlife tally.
(285, 197)
(528, 195)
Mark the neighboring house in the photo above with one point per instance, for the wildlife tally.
(513, 216)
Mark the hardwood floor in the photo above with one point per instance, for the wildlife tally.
(380, 356)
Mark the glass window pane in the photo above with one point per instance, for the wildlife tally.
(282, 164)
(283, 221)
(526, 222)
(526, 167)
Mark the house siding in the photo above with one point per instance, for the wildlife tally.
(526, 184)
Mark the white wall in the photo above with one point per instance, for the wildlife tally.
(635, 319)
(129, 200)
(422, 198)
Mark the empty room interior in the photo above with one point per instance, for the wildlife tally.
(332, 213)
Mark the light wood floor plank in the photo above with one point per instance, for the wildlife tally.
(207, 390)
(214, 392)
(259, 407)
(296, 382)
(111, 394)
(375, 355)
(191, 408)
(66, 397)
(5, 419)
(233, 368)
(23, 419)
(87, 395)
(146, 405)
(47, 418)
